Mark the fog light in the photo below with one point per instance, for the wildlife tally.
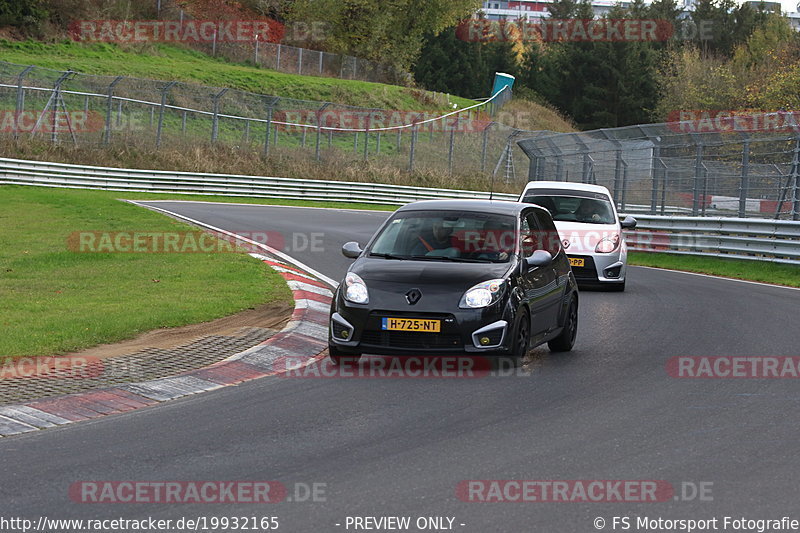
(484, 341)
(344, 333)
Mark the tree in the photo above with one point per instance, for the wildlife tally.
(392, 31)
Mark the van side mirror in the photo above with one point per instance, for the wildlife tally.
(628, 223)
(351, 250)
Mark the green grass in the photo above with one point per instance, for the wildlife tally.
(55, 300)
(762, 271)
(164, 62)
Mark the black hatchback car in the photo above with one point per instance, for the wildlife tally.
(456, 277)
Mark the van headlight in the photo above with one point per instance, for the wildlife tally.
(355, 289)
(483, 294)
(607, 245)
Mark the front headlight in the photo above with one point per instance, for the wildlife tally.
(355, 289)
(483, 294)
(607, 245)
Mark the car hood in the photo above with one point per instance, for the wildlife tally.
(582, 237)
(440, 273)
(441, 283)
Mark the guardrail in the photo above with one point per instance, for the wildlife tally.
(741, 238)
(21, 172)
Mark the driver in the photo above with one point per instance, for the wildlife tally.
(438, 239)
(587, 211)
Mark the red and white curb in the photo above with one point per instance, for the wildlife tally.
(305, 336)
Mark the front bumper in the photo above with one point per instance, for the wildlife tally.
(471, 331)
(600, 268)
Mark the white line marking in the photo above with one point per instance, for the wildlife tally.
(720, 277)
(269, 249)
(345, 209)
(300, 286)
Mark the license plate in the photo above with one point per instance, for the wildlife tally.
(576, 261)
(411, 324)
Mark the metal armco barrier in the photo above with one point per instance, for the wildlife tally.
(741, 238)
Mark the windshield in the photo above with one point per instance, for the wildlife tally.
(447, 236)
(575, 208)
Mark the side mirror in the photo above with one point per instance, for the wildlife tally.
(539, 258)
(351, 250)
(628, 223)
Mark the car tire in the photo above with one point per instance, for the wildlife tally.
(566, 339)
(338, 356)
(522, 337)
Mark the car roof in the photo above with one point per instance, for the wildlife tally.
(484, 206)
(566, 186)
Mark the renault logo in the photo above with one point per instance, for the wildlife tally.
(413, 296)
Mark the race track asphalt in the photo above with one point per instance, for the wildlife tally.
(608, 410)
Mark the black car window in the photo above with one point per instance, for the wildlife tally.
(528, 234)
(550, 239)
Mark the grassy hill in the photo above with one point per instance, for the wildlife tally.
(164, 62)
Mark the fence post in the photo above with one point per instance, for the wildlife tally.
(745, 183)
(413, 145)
(319, 127)
(271, 103)
(255, 59)
(366, 138)
(110, 109)
(320, 62)
(54, 101)
(484, 145)
(164, 91)
(698, 170)
(278, 63)
(214, 44)
(654, 172)
(664, 176)
(215, 119)
(617, 175)
(452, 146)
(20, 98)
(796, 180)
(300, 62)
(624, 185)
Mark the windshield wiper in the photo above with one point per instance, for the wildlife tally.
(449, 258)
(388, 256)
